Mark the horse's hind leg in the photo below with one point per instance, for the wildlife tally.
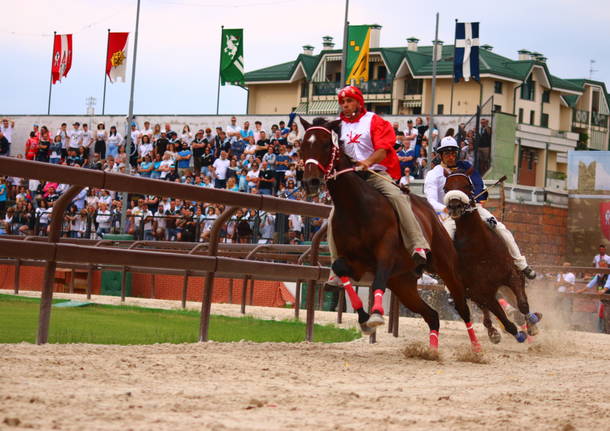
(498, 311)
(405, 289)
(493, 333)
(517, 286)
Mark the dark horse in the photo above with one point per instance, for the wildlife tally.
(486, 265)
(366, 232)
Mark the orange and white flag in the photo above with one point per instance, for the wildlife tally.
(116, 57)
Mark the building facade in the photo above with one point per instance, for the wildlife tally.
(551, 115)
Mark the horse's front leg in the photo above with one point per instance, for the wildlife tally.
(379, 285)
(342, 269)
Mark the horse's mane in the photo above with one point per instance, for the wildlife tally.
(319, 121)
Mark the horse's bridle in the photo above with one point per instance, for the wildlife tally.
(329, 171)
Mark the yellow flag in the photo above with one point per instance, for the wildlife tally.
(358, 37)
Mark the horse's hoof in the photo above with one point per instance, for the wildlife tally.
(532, 330)
(521, 336)
(375, 320)
(534, 318)
(494, 336)
(366, 330)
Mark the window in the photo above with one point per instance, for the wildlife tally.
(528, 89)
(520, 115)
(413, 86)
(532, 117)
(546, 96)
(305, 89)
(497, 108)
(382, 72)
(417, 110)
(544, 120)
(498, 87)
(439, 109)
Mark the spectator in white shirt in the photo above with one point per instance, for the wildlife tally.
(76, 136)
(566, 281)
(87, 138)
(6, 128)
(407, 178)
(233, 130)
(219, 168)
(410, 138)
(103, 220)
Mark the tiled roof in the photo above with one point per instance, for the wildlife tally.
(420, 62)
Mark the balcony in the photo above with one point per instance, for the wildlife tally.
(597, 120)
(373, 86)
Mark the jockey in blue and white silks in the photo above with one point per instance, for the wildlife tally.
(433, 189)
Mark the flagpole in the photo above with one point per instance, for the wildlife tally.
(431, 122)
(51, 77)
(222, 27)
(453, 78)
(344, 51)
(105, 74)
(128, 142)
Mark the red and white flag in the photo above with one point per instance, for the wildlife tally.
(116, 57)
(62, 56)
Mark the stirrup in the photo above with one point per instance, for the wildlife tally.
(529, 273)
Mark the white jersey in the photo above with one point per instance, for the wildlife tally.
(357, 140)
(433, 188)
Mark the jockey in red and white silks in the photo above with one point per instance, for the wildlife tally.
(369, 141)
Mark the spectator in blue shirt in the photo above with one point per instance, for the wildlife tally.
(183, 159)
(246, 133)
(406, 158)
(3, 196)
(282, 163)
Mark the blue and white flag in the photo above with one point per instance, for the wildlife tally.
(466, 57)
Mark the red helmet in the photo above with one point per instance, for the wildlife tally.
(353, 92)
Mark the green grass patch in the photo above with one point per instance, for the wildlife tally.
(124, 325)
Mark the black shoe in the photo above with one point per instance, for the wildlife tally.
(529, 273)
(420, 259)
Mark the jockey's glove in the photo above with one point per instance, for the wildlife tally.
(492, 222)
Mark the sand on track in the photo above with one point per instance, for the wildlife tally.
(560, 382)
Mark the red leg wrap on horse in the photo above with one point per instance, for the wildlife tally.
(434, 340)
(378, 301)
(351, 293)
(503, 303)
(471, 334)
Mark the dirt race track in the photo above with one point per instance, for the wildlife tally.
(559, 382)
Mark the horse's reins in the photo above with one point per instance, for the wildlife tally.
(330, 173)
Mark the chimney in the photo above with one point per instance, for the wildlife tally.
(327, 42)
(487, 47)
(375, 36)
(537, 56)
(524, 54)
(438, 49)
(308, 49)
(412, 44)
(541, 59)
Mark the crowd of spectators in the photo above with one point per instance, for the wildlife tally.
(234, 157)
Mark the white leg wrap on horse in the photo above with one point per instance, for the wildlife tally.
(508, 238)
(331, 242)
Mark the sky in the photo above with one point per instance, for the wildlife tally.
(179, 44)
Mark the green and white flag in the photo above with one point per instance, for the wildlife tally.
(232, 57)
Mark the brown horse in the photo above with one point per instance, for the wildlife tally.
(485, 262)
(366, 232)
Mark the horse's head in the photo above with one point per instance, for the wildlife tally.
(320, 151)
(459, 192)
